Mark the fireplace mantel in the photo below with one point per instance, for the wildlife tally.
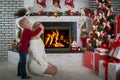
(56, 19)
(78, 19)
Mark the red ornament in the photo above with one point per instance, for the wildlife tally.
(118, 19)
(90, 41)
(109, 28)
(71, 13)
(105, 63)
(104, 46)
(40, 13)
(69, 3)
(89, 14)
(42, 3)
(109, 1)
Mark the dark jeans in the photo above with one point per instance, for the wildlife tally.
(22, 64)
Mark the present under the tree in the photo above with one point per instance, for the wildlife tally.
(102, 51)
(117, 25)
(114, 71)
(101, 69)
(87, 59)
(91, 60)
(115, 52)
(106, 65)
(96, 58)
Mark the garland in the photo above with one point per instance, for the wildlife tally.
(23, 11)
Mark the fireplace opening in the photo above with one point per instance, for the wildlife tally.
(58, 36)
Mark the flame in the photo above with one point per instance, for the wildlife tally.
(54, 40)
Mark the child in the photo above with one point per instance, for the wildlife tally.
(38, 63)
(26, 35)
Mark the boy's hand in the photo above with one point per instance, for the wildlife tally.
(41, 26)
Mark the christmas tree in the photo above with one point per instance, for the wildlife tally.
(102, 31)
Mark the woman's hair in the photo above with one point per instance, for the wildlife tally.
(21, 21)
(35, 25)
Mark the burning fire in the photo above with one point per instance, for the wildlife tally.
(54, 38)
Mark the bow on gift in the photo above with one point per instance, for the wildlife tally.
(114, 45)
(105, 64)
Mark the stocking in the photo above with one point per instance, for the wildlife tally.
(42, 3)
(69, 3)
(56, 3)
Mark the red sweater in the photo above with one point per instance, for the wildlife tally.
(25, 39)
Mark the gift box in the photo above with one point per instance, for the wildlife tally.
(117, 25)
(114, 49)
(91, 60)
(87, 57)
(96, 58)
(113, 71)
(117, 53)
(101, 69)
(101, 51)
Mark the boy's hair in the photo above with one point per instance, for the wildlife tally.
(21, 21)
(35, 25)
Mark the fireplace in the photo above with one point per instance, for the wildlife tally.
(58, 36)
(74, 22)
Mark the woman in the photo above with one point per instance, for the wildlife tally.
(37, 63)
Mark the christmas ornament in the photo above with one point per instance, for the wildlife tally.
(15, 45)
(79, 49)
(82, 12)
(108, 25)
(83, 35)
(118, 19)
(89, 14)
(109, 1)
(69, 3)
(71, 13)
(19, 33)
(42, 3)
(104, 25)
(29, 10)
(74, 45)
(56, 4)
(55, 14)
(63, 13)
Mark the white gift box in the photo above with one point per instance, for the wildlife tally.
(117, 53)
(101, 50)
(101, 70)
(111, 52)
(113, 69)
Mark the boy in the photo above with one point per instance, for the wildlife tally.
(26, 35)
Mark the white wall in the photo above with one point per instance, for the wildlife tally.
(36, 7)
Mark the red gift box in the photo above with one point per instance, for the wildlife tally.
(117, 25)
(96, 58)
(87, 57)
(91, 60)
